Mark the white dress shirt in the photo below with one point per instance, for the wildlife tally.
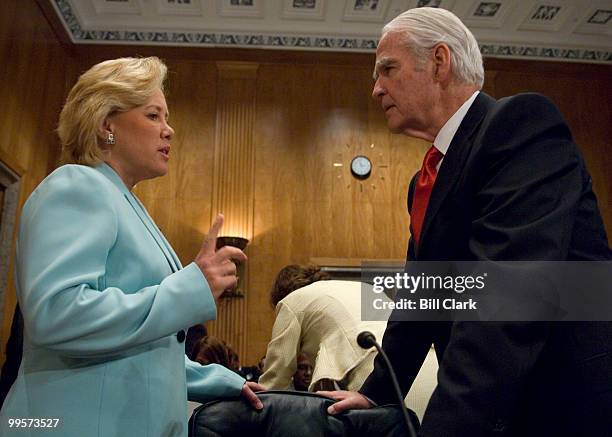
(448, 131)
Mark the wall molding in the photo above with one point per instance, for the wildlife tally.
(79, 35)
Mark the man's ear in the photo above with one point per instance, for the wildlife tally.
(442, 62)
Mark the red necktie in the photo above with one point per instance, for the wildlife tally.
(422, 191)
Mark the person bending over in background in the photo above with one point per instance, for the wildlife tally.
(320, 318)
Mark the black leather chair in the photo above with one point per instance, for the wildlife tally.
(294, 414)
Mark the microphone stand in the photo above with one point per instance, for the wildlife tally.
(366, 340)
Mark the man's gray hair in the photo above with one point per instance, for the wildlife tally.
(425, 27)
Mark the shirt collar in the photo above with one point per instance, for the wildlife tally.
(448, 131)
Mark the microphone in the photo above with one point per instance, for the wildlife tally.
(366, 340)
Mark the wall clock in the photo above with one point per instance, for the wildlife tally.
(361, 167)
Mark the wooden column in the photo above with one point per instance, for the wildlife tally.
(233, 185)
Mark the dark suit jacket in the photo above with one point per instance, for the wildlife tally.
(512, 186)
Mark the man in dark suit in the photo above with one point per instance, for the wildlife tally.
(503, 181)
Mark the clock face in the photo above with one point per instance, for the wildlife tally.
(361, 167)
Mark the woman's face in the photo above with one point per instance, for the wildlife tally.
(142, 141)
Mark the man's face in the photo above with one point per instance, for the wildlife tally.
(303, 375)
(404, 88)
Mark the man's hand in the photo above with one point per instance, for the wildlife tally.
(217, 265)
(348, 400)
(248, 392)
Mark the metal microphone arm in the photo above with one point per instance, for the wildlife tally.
(366, 340)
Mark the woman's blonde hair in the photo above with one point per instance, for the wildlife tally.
(110, 86)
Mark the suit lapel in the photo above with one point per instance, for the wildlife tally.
(454, 161)
(154, 231)
(142, 214)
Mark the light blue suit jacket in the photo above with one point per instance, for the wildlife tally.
(103, 295)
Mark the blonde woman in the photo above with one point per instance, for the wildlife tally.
(105, 299)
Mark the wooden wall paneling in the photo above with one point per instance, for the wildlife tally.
(308, 119)
(57, 26)
(275, 176)
(233, 179)
(227, 54)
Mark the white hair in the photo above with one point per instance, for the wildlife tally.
(425, 27)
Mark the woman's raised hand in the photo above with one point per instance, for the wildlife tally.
(218, 265)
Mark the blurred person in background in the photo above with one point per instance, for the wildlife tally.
(319, 318)
(303, 375)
